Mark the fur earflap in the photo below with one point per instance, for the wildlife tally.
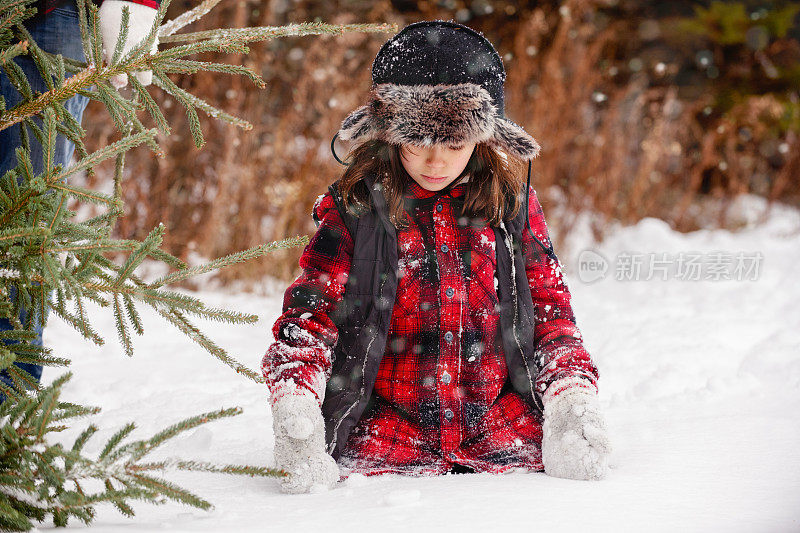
(423, 115)
(512, 139)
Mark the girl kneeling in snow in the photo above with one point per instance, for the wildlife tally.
(431, 329)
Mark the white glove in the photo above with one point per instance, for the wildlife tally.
(574, 442)
(300, 445)
(140, 22)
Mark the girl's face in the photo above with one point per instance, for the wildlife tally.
(437, 166)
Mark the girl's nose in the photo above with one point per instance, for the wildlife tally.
(436, 157)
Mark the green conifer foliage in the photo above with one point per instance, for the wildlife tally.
(56, 262)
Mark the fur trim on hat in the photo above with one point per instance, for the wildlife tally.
(423, 115)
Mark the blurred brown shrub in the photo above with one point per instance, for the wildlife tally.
(632, 120)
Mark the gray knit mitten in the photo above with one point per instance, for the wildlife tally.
(300, 445)
(574, 443)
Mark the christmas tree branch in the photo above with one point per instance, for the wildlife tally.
(265, 33)
(52, 260)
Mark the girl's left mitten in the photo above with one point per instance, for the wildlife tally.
(300, 444)
(575, 442)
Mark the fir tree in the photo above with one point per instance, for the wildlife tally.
(52, 261)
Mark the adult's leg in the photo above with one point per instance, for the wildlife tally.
(56, 32)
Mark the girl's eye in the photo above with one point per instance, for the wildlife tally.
(456, 148)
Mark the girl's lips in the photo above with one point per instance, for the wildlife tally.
(430, 178)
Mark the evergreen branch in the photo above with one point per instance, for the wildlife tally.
(232, 259)
(119, 168)
(10, 518)
(118, 114)
(45, 397)
(116, 438)
(17, 78)
(223, 315)
(61, 68)
(150, 105)
(17, 336)
(123, 35)
(144, 47)
(172, 491)
(133, 314)
(122, 329)
(31, 106)
(21, 378)
(111, 245)
(13, 13)
(163, 81)
(39, 58)
(106, 218)
(51, 270)
(192, 49)
(191, 331)
(84, 29)
(7, 358)
(96, 157)
(7, 54)
(78, 323)
(95, 39)
(188, 99)
(265, 33)
(70, 65)
(42, 359)
(17, 233)
(107, 152)
(57, 216)
(185, 66)
(49, 403)
(73, 131)
(155, 298)
(49, 144)
(160, 299)
(184, 425)
(83, 193)
(242, 470)
(24, 166)
(124, 509)
(78, 445)
(21, 401)
(37, 131)
(186, 18)
(69, 411)
(152, 242)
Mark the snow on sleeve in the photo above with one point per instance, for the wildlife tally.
(559, 344)
(299, 361)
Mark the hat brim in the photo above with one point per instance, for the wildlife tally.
(423, 115)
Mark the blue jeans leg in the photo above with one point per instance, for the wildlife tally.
(34, 370)
(56, 32)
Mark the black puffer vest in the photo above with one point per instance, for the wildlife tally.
(364, 315)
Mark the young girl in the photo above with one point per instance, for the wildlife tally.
(431, 329)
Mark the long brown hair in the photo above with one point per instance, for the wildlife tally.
(493, 191)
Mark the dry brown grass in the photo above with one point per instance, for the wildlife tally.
(621, 142)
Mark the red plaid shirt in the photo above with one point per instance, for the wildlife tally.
(441, 395)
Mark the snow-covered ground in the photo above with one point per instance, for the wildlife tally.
(700, 378)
